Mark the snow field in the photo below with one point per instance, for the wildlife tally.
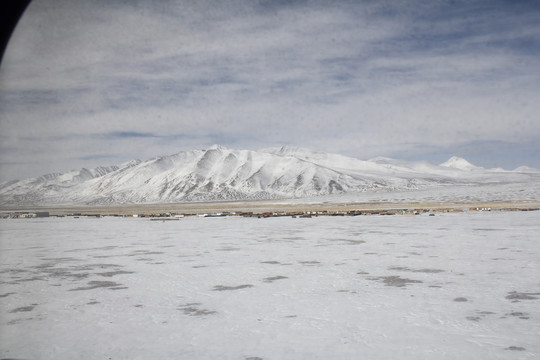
(461, 285)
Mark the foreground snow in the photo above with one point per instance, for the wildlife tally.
(461, 286)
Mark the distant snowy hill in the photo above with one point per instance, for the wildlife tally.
(459, 163)
(219, 173)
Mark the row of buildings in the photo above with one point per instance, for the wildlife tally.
(24, 215)
(267, 214)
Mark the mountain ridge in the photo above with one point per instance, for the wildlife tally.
(219, 173)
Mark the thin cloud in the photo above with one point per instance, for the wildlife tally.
(128, 134)
(96, 157)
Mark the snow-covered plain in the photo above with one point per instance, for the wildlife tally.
(497, 192)
(451, 286)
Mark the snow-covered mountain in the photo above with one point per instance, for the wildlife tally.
(459, 163)
(219, 173)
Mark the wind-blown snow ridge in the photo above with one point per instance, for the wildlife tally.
(219, 173)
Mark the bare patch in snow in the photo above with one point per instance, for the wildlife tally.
(100, 284)
(427, 271)
(516, 296)
(227, 288)
(395, 281)
(193, 309)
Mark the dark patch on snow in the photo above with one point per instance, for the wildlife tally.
(227, 288)
(273, 278)
(72, 272)
(479, 315)
(144, 252)
(60, 259)
(13, 271)
(521, 315)
(352, 242)
(229, 249)
(427, 271)
(114, 273)
(487, 229)
(109, 247)
(310, 262)
(515, 348)
(192, 309)
(23, 309)
(100, 284)
(395, 281)
(516, 296)
(33, 278)
(460, 299)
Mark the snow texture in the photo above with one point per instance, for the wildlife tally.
(460, 286)
(219, 173)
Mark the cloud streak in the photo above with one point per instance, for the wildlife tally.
(364, 78)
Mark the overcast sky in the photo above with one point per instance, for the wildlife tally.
(86, 83)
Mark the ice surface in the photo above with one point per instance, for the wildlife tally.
(450, 286)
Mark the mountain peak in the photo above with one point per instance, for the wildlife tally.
(287, 150)
(217, 147)
(457, 162)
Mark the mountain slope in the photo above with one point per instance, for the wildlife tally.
(219, 173)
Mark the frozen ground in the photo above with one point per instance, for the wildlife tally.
(452, 286)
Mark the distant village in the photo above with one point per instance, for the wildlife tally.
(294, 214)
